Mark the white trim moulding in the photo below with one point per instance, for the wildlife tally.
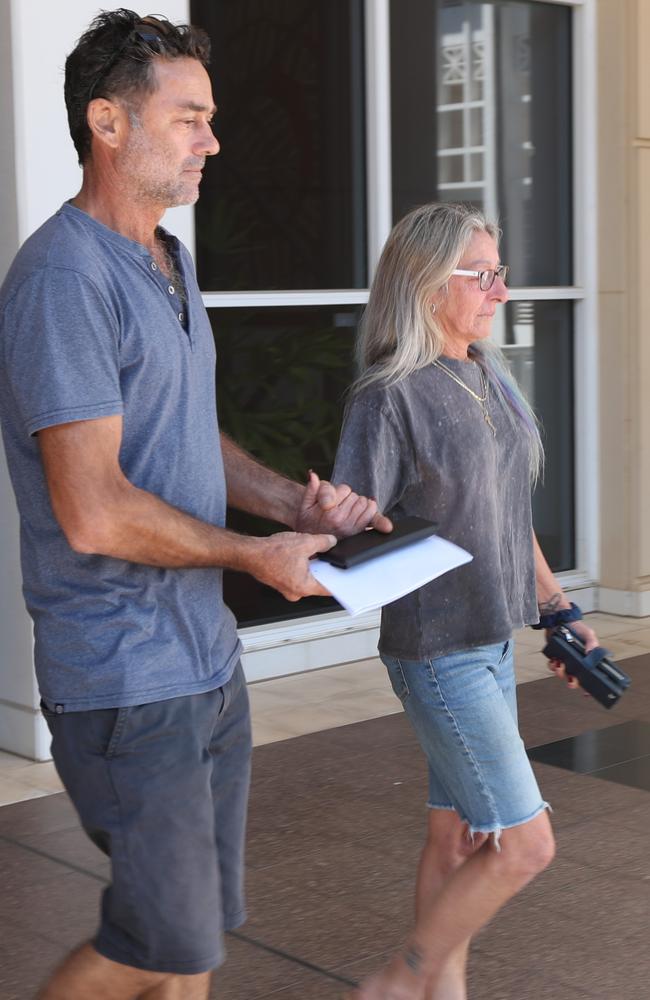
(546, 293)
(317, 297)
(305, 629)
(378, 128)
(586, 335)
(357, 296)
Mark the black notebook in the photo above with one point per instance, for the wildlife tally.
(368, 544)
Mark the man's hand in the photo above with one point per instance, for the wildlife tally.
(282, 561)
(590, 640)
(337, 509)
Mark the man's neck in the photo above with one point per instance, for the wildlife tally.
(115, 208)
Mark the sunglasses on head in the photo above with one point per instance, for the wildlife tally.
(149, 30)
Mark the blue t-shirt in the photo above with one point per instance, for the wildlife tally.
(90, 327)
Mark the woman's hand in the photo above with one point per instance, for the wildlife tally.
(337, 510)
(590, 639)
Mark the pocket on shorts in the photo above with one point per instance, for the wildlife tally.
(396, 677)
(99, 730)
(506, 649)
(102, 729)
(115, 734)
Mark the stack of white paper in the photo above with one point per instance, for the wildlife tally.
(383, 579)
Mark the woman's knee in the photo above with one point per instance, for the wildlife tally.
(450, 842)
(526, 850)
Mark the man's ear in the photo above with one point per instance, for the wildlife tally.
(107, 121)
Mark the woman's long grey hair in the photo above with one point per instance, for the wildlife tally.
(399, 333)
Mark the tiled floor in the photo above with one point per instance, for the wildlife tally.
(335, 827)
(323, 699)
(299, 704)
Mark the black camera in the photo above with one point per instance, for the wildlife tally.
(595, 673)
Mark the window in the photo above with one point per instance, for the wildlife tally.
(284, 205)
(482, 114)
(295, 209)
(281, 380)
(538, 342)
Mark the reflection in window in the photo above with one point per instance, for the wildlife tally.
(463, 97)
(281, 380)
(537, 338)
(482, 114)
(283, 206)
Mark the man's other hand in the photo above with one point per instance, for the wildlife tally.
(337, 510)
(282, 561)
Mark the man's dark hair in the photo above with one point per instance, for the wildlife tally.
(113, 58)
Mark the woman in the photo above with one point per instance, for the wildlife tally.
(435, 426)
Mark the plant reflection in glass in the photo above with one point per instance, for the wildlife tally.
(281, 381)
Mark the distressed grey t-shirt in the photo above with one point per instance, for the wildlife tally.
(89, 327)
(421, 446)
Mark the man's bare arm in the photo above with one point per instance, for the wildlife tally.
(257, 489)
(317, 507)
(101, 512)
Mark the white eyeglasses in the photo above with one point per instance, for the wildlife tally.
(486, 278)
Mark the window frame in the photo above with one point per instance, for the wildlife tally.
(321, 640)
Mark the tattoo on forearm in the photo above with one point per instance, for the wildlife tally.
(413, 959)
(548, 607)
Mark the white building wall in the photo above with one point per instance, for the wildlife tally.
(38, 171)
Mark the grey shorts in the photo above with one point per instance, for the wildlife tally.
(163, 789)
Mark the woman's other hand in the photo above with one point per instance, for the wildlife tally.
(590, 639)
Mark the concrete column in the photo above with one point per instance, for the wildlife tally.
(624, 302)
(38, 171)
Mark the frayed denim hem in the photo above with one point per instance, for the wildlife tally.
(493, 830)
(445, 808)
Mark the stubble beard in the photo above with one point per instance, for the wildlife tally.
(145, 169)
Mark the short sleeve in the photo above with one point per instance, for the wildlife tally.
(61, 343)
(373, 456)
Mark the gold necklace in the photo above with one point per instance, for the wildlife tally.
(481, 400)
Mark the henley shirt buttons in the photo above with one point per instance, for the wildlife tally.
(154, 266)
(181, 316)
(171, 289)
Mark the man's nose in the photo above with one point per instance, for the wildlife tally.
(208, 143)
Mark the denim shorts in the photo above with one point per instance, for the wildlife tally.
(463, 708)
(163, 789)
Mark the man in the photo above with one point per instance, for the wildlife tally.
(108, 413)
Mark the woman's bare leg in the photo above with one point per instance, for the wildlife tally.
(447, 847)
(465, 902)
